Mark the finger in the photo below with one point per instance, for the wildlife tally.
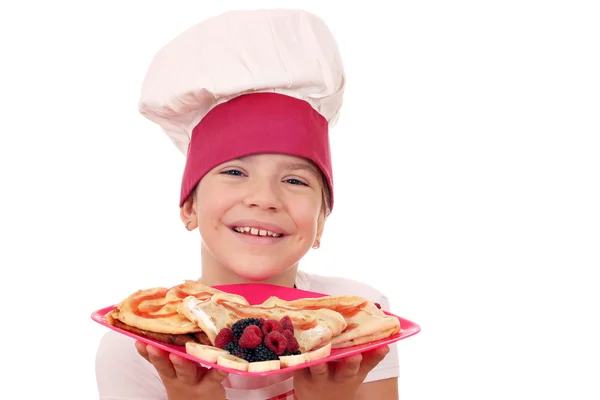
(186, 370)
(372, 358)
(302, 374)
(214, 377)
(141, 349)
(319, 372)
(160, 360)
(348, 368)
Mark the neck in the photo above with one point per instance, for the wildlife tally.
(214, 273)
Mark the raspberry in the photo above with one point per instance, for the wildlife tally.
(276, 342)
(286, 323)
(292, 343)
(288, 332)
(378, 305)
(270, 326)
(239, 326)
(224, 337)
(251, 337)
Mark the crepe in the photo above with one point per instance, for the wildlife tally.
(199, 291)
(153, 313)
(365, 322)
(312, 328)
(366, 339)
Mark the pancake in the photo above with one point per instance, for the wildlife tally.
(365, 322)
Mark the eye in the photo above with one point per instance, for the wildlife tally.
(295, 181)
(233, 172)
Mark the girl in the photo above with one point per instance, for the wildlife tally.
(249, 97)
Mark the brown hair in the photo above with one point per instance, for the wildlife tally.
(326, 197)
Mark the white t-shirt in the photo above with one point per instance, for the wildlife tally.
(122, 374)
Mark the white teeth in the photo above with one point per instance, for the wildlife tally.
(256, 231)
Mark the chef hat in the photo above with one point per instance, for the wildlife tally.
(247, 82)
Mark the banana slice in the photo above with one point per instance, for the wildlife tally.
(321, 352)
(290, 361)
(203, 352)
(233, 362)
(262, 366)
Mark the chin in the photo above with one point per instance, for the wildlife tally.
(257, 271)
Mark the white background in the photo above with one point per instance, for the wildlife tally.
(467, 186)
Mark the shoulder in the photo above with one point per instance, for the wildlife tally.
(340, 286)
(121, 373)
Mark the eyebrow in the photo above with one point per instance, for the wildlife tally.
(293, 166)
(302, 166)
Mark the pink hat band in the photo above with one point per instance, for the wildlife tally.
(257, 123)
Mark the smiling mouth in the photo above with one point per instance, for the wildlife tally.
(246, 230)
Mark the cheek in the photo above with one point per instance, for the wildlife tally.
(210, 214)
(210, 208)
(306, 217)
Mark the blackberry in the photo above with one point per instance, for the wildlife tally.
(235, 350)
(230, 346)
(261, 353)
(239, 326)
(246, 354)
(295, 353)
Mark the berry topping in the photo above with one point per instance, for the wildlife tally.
(286, 323)
(270, 326)
(258, 339)
(251, 337)
(378, 305)
(276, 342)
(239, 326)
(224, 337)
(292, 343)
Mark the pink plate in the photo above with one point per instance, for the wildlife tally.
(256, 294)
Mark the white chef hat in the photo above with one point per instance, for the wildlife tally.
(247, 82)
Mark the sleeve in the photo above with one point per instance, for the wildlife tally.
(122, 374)
(389, 367)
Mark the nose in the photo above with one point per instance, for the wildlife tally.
(263, 194)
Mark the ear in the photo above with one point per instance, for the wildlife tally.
(188, 214)
(320, 225)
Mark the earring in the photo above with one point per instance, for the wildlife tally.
(187, 224)
(317, 244)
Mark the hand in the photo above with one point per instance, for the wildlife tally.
(337, 380)
(183, 378)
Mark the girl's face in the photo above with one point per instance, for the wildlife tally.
(257, 215)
